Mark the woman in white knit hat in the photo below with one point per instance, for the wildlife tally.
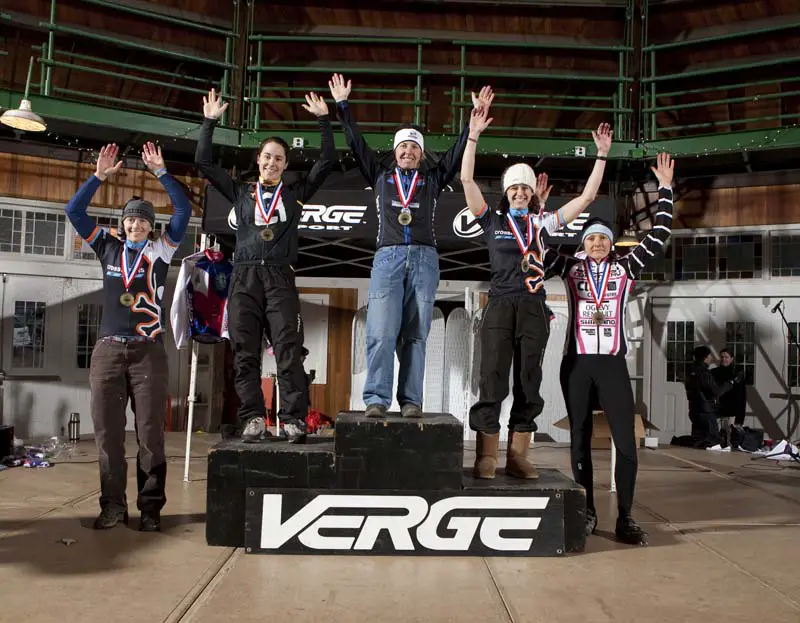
(405, 269)
(516, 317)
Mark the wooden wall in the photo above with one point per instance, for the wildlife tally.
(334, 396)
(731, 207)
(48, 179)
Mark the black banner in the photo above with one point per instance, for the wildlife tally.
(351, 214)
(478, 522)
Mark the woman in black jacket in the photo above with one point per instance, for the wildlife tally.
(733, 403)
(263, 295)
(702, 392)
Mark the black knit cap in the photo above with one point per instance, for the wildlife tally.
(700, 353)
(141, 209)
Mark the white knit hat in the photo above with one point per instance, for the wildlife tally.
(409, 134)
(519, 174)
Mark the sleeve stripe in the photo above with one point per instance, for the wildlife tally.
(653, 238)
(169, 241)
(93, 236)
(483, 211)
(664, 214)
(664, 227)
(560, 217)
(633, 255)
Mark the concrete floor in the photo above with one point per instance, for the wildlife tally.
(725, 546)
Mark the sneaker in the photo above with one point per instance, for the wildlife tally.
(376, 409)
(255, 430)
(150, 522)
(295, 430)
(110, 517)
(591, 522)
(410, 410)
(629, 532)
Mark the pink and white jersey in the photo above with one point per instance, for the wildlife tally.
(599, 329)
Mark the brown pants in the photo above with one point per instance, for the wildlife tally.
(138, 371)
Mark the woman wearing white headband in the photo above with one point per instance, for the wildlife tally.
(405, 270)
(516, 317)
(598, 286)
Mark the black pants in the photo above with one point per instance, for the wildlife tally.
(705, 429)
(513, 328)
(119, 372)
(608, 374)
(264, 299)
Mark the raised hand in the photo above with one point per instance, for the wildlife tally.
(151, 156)
(316, 105)
(339, 89)
(484, 99)
(602, 138)
(478, 121)
(664, 169)
(213, 106)
(542, 189)
(105, 162)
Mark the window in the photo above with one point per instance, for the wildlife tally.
(740, 256)
(793, 356)
(89, 318)
(81, 250)
(44, 233)
(658, 268)
(740, 340)
(785, 255)
(10, 230)
(680, 350)
(28, 339)
(695, 258)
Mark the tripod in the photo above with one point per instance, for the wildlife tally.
(790, 397)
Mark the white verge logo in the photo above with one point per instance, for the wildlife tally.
(307, 523)
(331, 218)
(465, 225)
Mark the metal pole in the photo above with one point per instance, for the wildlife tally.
(257, 118)
(461, 94)
(51, 37)
(418, 88)
(613, 465)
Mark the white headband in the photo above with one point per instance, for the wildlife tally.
(409, 134)
(597, 228)
(519, 174)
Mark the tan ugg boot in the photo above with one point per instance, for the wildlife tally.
(517, 464)
(486, 449)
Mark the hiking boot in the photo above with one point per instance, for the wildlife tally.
(410, 410)
(255, 430)
(376, 410)
(150, 522)
(486, 449)
(110, 517)
(629, 532)
(295, 430)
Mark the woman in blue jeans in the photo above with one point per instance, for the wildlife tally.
(405, 271)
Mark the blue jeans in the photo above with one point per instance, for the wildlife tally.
(402, 291)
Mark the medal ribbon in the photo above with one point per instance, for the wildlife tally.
(523, 248)
(267, 213)
(594, 286)
(129, 274)
(405, 199)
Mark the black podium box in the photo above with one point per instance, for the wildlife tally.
(399, 453)
(233, 466)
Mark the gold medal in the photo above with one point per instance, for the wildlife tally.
(267, 234)
(404, 218)
(127, 299)
(598, 317)
(526, 265)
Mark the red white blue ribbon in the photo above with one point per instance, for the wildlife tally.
(267, 212)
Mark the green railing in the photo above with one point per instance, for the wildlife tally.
(654, 97)
(54, 59)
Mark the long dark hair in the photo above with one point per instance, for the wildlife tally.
(503, 205)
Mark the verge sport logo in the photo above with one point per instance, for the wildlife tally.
(466, 226)
(332, 218)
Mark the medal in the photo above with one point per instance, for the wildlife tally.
(404, 218)
(129, 272)
(597, 288)
(521, 243)
(127, 299)
(267, 212)
(267, 234)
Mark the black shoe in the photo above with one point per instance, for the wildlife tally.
(255, 430)
(376, 410)
(591, 522)
(629, 532)
(410, 410)
(150, 522)
(110, 517)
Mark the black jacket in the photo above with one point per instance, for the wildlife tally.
(733, 403)
(702, 390)
(250, 248)
(387, 199)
